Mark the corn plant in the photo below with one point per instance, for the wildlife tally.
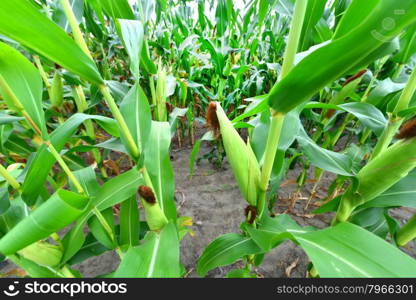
(93, 92)
(344, 249)
(34, 213)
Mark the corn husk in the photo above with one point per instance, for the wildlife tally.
(42, 253)
(378, 175)
(57, 91)
(241, 158)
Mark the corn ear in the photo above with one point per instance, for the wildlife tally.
(241, 158)
(42, 253)
(57, 91)
(161, 95)
(379, 175)
(155, 217)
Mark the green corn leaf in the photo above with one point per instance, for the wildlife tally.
(132, 34)
(120, 9)
(174, 117)
(158, 164)
(44, 160)
(354, 15)
(114, 191)
(385, 170)
(4, 200)
(17, 145)
(158, 256)
(324, 159)
(16, 212)
(240, 273)
(258, 105)
(330, 62)
(201, 14)
(7, 119)
(88, 180)
(118, 189)
(21, 21)
(368, 114)
(263, 8)
(208, 136)
(381, 173)
(59, 211)
(146, 61)
(402, 194)
(314, 12)
(20, 79)
(273, 231)
(216, 56)
(59, 17)
(129, 222)
(384, 91)
(117, 9)
(74, 239)
(34, 270)
(347, 250)
(90, 248)
(136, 112)
(99, 232)
(221, 17)
(242, 159)
(407, 46)
(372, 219)
(290, 130)
(225, 250)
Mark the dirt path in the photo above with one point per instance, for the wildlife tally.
(213, 200)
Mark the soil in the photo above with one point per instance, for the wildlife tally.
(212, 198)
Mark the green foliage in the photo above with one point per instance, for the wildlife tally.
(294, 83)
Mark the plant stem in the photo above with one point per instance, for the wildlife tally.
(82, 105)
(387, 136)
(278, 118)
(76, 32)
(398, 71)
(120, 120)
(9, 178)
(103, 88)
(270, 153)
(18, 105)
(294, 37)
(407, 93)
(79, 97)
(407, 232)
(42, 74)
(394, 121)
(65, 167)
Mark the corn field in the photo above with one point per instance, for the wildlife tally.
(97, 97)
